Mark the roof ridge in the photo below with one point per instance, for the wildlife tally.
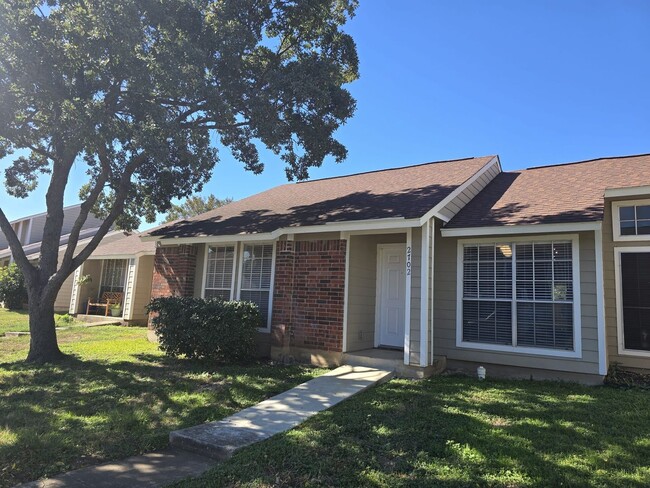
(391, 169)
(580, 162)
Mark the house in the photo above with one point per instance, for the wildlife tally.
(542, 272)
(122, 265)
(29, 231)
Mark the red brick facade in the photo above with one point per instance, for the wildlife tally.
(173, 271)
(309, 294)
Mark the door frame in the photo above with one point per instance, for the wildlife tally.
(379, 281)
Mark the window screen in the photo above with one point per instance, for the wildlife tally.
(219, 272)
(257, 266)
(518, 294)
(635, 291)
(634, 220)
(113, 275)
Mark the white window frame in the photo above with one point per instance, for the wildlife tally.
(234, 264)
(537, 351)
(619, 301)
(616, 220)
(266, 329)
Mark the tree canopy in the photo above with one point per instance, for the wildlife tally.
(195, 205)
(140, 94)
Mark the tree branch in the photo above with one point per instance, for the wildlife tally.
(16, 248)
(85, 209)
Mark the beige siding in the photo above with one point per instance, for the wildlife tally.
(141, 293)
(362, 288)
(609, 278)
(320, 236)
(454, 206)
(416, 275)
(129, 286)
(62, 302)
(445, 315)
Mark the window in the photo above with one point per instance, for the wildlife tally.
(256, 271)
(113, 275)
(518, 295)
(219, 272)
(631, 220)
(633, 288)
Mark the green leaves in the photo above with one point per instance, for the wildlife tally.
(155, 81)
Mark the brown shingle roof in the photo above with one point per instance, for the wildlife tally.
(572, 192)
(407, 192)
(122, 244)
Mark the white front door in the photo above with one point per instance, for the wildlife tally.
(391, 286)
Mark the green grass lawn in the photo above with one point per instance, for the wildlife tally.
(456, 432)
(15, 321)
(117, 397)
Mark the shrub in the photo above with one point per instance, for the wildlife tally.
(12, 287)
(64, 320)
(209, 329)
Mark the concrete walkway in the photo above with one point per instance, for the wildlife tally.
(222, 439)
(197, 449)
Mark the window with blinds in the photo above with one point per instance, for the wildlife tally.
(113, 275)
(257, 267)
(219, 272)
(518, 294)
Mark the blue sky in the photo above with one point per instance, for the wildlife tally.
(538, 83)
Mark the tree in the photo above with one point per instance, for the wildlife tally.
(137, 93)
(12, 287)
(194, 206)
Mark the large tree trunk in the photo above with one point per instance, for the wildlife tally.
(43, 346)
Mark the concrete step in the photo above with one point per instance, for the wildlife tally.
(393, 361)
(97, 320)
(220, 440)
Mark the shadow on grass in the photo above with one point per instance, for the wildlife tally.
(456, 432)
(59, 417)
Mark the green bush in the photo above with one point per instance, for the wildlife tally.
(12, 287)
(64, 320)
(209, 329)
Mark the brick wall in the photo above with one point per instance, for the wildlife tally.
(173, 271)
(308, 294)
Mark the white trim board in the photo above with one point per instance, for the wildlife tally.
(350, 226)
(616, 221)
(631, 191)
(600, 304)
(407, 298)
(435, 211)
(509, 230)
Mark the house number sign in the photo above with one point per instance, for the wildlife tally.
(408, 260)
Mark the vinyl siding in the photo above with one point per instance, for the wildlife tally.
(445, 314)
(62, 302)
(454, 206)
(609, 278)
(141, 292)
(127, 301)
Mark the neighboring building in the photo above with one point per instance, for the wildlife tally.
(29, 231)
(543, 272)
(121, 264)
